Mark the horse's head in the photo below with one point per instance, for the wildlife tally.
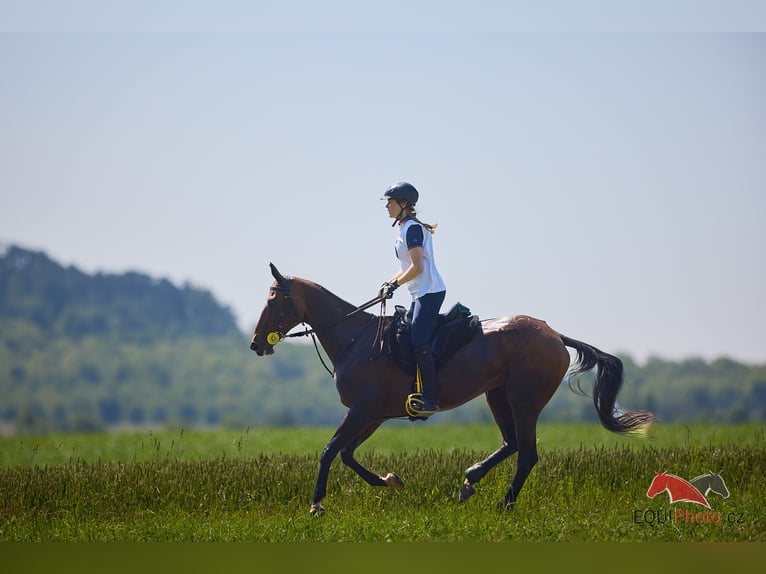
(278, 316)
(718, 485)
(659, 483)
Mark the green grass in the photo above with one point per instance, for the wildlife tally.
(393, 438)
(256, 486)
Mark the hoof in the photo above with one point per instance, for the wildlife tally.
(316, 509)
(505, 504)
(466, 491)
(393, 481)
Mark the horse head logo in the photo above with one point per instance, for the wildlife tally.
(710, 482)
(679, 489)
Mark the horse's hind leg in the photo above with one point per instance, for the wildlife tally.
(497, 400)
(526, 436)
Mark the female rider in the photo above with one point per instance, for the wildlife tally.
(414, 248)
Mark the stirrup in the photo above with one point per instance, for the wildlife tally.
(415, 406)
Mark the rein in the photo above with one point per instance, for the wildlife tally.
(274, 337)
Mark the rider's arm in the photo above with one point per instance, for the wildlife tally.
(415, 268)
(415, 249)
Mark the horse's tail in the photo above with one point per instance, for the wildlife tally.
(609, 379)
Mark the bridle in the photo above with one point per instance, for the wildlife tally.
(275, 337)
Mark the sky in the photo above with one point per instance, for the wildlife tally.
(605, 173)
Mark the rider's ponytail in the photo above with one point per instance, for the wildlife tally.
(431, 228)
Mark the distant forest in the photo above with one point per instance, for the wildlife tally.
(81, 352)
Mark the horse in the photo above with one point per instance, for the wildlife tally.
(679, 490)
(516, 362)
(710, 482)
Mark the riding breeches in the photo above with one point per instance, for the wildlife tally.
(425, 315)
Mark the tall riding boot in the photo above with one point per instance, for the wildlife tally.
(425, 359)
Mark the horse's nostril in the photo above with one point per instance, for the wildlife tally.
(253, 346)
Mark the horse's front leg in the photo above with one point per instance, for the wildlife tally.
(352, 427)
(391, 480)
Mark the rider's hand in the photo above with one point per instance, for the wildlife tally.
(387, 289)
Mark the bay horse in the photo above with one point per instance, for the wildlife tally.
(516, 362)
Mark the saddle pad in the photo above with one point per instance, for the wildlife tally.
(454, 330)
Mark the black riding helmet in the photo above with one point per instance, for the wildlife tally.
(403, 191)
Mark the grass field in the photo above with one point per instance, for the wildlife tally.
(255, 485)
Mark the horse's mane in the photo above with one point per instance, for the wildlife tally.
(336, 301)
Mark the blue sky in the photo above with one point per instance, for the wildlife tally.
(610, 183)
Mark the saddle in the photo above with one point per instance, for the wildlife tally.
(453, 331)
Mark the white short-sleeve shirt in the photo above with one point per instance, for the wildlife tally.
(413, 234)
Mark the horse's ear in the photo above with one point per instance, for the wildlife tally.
(277, 275)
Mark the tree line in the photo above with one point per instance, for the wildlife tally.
(82, 352)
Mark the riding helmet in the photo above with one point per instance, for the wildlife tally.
(404, 191)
